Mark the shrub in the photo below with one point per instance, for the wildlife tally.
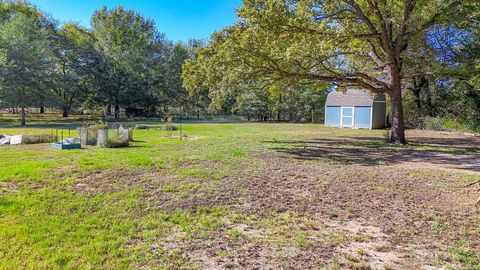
(412, 114)
(40, 138)
(433, 123)
(116, 143)
(441, 124)
(119, 138)
(453, 125)
(97, 126)
(141, 126)
(170, 127)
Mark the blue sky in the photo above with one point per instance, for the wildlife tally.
(178, 19)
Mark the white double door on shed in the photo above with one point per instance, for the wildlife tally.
(347, 116)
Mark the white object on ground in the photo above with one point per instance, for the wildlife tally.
(16, 139)
(4, 140)
(70, 141)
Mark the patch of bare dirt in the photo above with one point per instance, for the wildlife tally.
(111, 181)
(398, 208)
(67, 169)
(385, 196)
(254, 252)
(8, 187)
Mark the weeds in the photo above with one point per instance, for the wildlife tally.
(37, 139)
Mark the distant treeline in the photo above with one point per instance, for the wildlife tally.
(122, 63)
(124, 66)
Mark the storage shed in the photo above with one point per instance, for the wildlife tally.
(355, 108)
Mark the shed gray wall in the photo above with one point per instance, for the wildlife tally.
(379, 114)
(380, 97)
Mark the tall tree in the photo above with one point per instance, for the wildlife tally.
(443, 70)
(73, 54)
(346, 43)
(131, 50)
(24, 60)
(177, 95)
(174, 95)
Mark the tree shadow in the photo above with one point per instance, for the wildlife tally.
(461, 153)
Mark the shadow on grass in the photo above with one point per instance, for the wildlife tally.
(8, 122)
(462, 153)
(50, 126)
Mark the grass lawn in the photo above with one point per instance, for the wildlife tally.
(242, 196)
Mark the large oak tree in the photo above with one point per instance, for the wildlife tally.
(346, 43)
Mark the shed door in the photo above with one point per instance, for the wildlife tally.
(362, 117)
(347, 116)
(333, 116)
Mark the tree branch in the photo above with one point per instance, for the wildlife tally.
(374, 55)
(409, 6)
(433, 20)
(374, 31)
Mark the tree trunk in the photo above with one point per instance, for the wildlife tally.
(42, 109)
(418, 84)
(66, 112)
(109, 110)
(397, 134)
(24, 122)
(117, 112)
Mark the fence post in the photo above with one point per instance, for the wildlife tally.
(102, 137)
(83, 135)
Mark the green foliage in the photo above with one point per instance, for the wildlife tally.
(441, 124)
(24, 58)
(121, 61)
(83, 238)
(467, 257)
(279, 46)
(302, 240)
(432, 123)
(129, 47)
(236, 234)
(252, 105)
(444, 71)
(73, 57)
